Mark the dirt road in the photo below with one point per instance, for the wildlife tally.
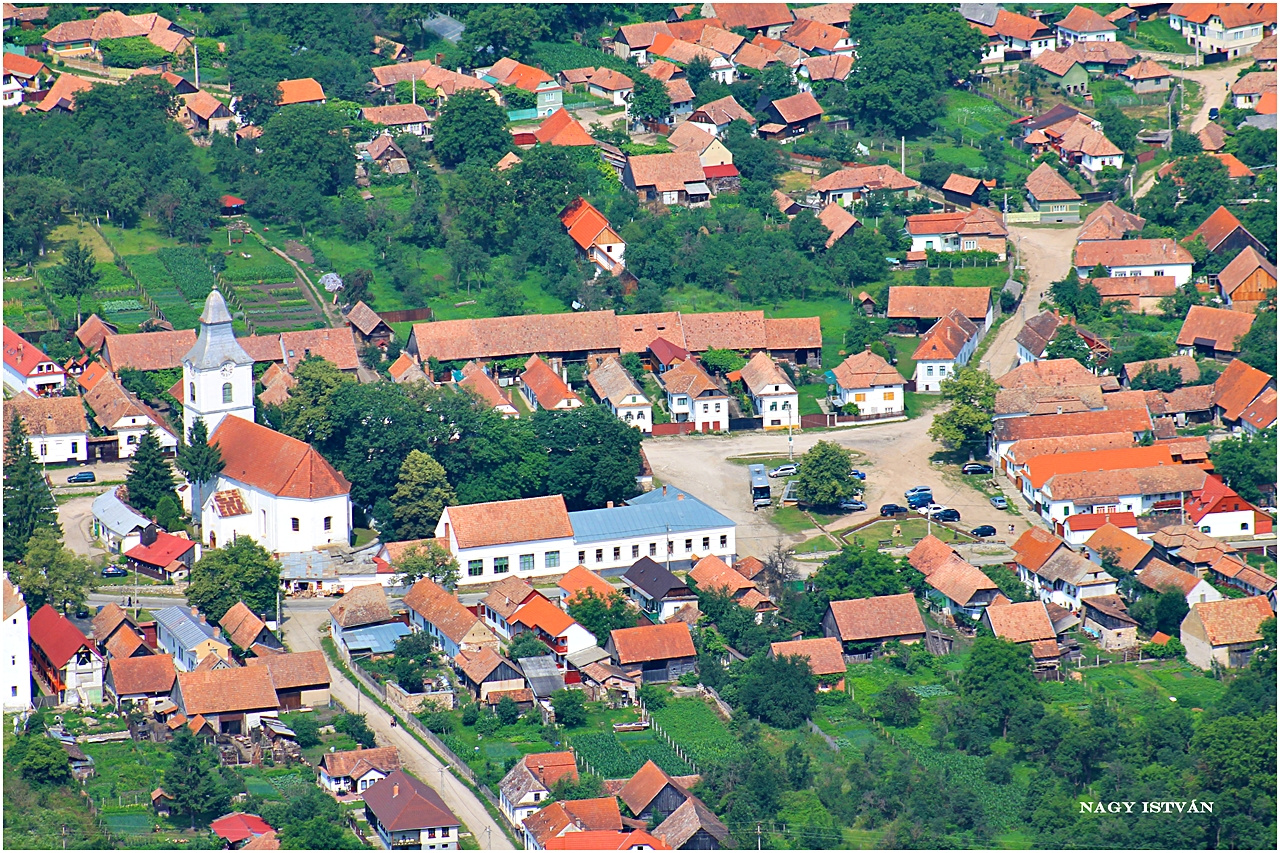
(1046, 254)
(895, 457)
(302, 629)
(76, 518)
(1214, 81)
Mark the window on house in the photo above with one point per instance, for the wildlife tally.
(888, 395)
(653, 549)
(226, 392)
(724, 540)
(44, 450)
(13, 691)
(133, 439)
(1244, 525)
(706, 543)
(717, 407)
(688, 544)
(599, 555)
(295, 524)
(75, 447)
(526, 562)
(617, 552)
(475, 568)
(551, 560)
(859, 398)
(928, 371)
(635, 552)
(192, 392)
(582, 558)
(1204, 529)
(328, 522)
(501, 565)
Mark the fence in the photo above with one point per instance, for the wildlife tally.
(521, 115)
(670, 741)
(1021, 217)
(673, 429)
(816, 421)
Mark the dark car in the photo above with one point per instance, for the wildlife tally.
(114, 572)
(83, 477)
(1213, 113)
(851, 505)
(890, 510)
(82, 612)
(947, 515)
(983, 531)
(976, 468)
(920, 499)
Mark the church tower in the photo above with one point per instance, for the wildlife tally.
(217, 374)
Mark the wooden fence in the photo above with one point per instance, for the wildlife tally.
(830, 420)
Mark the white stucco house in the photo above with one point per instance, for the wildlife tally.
(115, 524)
(945, 348)
(1141, 257)
(28, 369)
(694, 397)
(1136, 490)
(773, 397)
(57, 428)
(1233, 28)
(869, 382)
(1083, 24)
(15, 676)
(120, 412)
(617, 390)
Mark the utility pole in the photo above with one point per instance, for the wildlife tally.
(195, 48)
(757, 836)
(414, 83)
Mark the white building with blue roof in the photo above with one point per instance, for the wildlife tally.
(188, 636)
(116, 524)
(537, 537)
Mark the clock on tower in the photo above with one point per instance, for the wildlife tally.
(217, 374)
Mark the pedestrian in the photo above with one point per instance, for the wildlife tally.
(1010, 529)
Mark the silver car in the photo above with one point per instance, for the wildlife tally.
(999, 502)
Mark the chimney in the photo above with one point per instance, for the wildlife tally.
(680, 496)
(446, 531)
(217, 631)
(203, 619)
(195, 611)
(868, 347)
(608, 504)
(395, 790)
(664, 491)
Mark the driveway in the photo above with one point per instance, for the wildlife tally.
(106, 472)
(895, 457)
(302, 629)
(76, 518)
(1046, 255)
(1215, 81)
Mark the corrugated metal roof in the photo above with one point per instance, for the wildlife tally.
(111, 512)
(378, 639)
(186, 630)
(649, 514)
(542, 675)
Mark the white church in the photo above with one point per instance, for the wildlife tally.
(273, 488)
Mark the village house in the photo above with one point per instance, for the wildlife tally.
(248, 632)
(507, 596)
(768, 19)
(145, 681)
(1235, 390)
(957, 588)
(543, 388)
(64, 662)
(1107, 620)
(673, 79)
(509, 72)
(61, 95)
(1223, 234)
(1112, 541)
(597, 242)
(1216, 509)
(1008, 430)
(371, 328)
(1063, 73)
(710, 150)
(652, 793)
(654, 653)
(352, 771)
(1232, 571)
(1187, 548)
(914, 308)
(188, 637)
(1140, 257)
(1056, 574)
(773, 397)
(559, 130)
(694, 397)
(598, 814)
(15, 676)
(406, 814)
(1049, 194)
(633, 41)
(674, 178)
(57, 428)
(27, 369)
(485, 672)
(162, 556)
(979, 229)
(24, 79)
(819, 39)
(239, 830)
(1224, 633)
(1264, 53)
(867, 381)
(861, 623)
(825, 657)
(405, 369)
(1024, 37)
(553, 626)
(655, 590)
(1187, 369)
(81, 38)
(615, 388)
(476, 380)
(1231, 28)
(1244, 283)
(1102, 58)
(1027, 624)
(205, 113)
(527, 786)
(846, 186)
(791, 116)
(438, 612)
(1082, 24)
(579, 581)
(361, 607)
(121, 413)
(692, 826)
(300, 679)
(1109, 222)
(1213, 332)
(115, 523)
(1141, 293)
(713, 573)
(1034, 339)
(400, 118)
(485, 538)
(1261, 413)
(1148, 76)
(1158, 576)
(945, 348)
(1136, 490)
(302, 91)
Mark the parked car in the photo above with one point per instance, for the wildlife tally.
(947, 515)
(918, 490)
(785, 471)
(930, 509)
(1213, 113)
(114, 572)
(851, 505)
(861, 475)
(890, 510)
(83, 477)
(82, 611)
(919, 500)
(999, 502)
(983, 531)
(976, 468)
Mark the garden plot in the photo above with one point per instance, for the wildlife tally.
(277, 307)
(620, 756)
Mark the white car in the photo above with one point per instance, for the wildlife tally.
(931, 509)
(784, 471)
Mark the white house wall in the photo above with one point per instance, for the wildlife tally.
(1180, 272)
(269, 521)
(16, 674)
(52, 449)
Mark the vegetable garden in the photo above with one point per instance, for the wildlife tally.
(694, 725)
(615, 756)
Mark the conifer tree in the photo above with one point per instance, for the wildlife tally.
(150, 476)
(28, 503)
(200, 462)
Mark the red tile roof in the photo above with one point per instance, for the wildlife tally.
(1034, 548)
(825, 655)
(1086, 521)
(440, 608)
(1233, 620)
(1144, 252)
(300, 91)
(148, 350)
(880, 177)
(561, 129)
(1128, 549)
(1241, 267)
(506, 522)
(752, 16)
(1025, 622)
(580, 578)
(910, 302)
(538, 612)
(295, 670)
(1262, 411)
(635, 839)
(274, 462)
(646, 784)
(1084, 20)
(879, 618)
(225, 691)
(62, 94)
(152, 674)
(1219, 225)
(56, 636)
(1074, 423)
(1041, 468)
(1045, 184)
(1220, 327)
(482, 384)
(652, 643)
(509, 72)
(945, 338)
(239, 826)
(547, 386)
(866, 370)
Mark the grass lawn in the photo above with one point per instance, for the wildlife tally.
(917, 404)
(74, 230)
(993, 275)
(1158, 35)
(1171, 679)
(809, 396)
(147, 236)
(364, 536)
(796, 181)
(816, 545)
(912, 528)
(791, 520)
(904, 346)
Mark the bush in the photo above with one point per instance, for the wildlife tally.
(487, 724)
(570, 710)
(470, 713)
(654, 697)
(898, 706)
(307, 728)
(998, 768)
(355, 726)
(440, 722)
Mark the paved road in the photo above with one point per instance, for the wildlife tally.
(895, 457)
(303, 629)
(1046, 254)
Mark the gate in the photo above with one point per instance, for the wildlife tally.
(1215, 58)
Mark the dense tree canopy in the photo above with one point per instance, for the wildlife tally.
(240, 571)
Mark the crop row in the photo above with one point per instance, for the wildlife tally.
(610, 758)
(1002, 805)
(189, 271)
(697, 729)
(261, 271)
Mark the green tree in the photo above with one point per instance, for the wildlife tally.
(527, 645)
(28, 502)
(200, 462)
(45, 762)
(241, 570)
(824, 478)
(649, 99)
(1121, 129)
(1067, 343)
(421, 494)
(722, 361)
(1246, 462)
(781, 692)
(592, 456)
(306, 411)
(428, 560)
(501, 30)
(997, 679)
(508, 711)
(150, 477)
(1258, 345)
(898, 706)
(197, 789)
(408, 675)
(807, 231)
(632, 363)
(355, 726)
(307, 728)
(697, 71)
(169, 514)
(602, 615)
(966, 424)
(471, 127)
(1153, 378)
(78, 275)
(776, 82)
(318, 833)
(1010, 586)
(859, 571)
(570, 710)
(305, 156)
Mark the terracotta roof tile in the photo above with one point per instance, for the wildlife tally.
(1233, 620)
(1137, 252)
(1045, 184)
(825, 655)
(1219, 225)
(866, 370)
(1109, 222)
(362, 605)
(1035, 547)
(1261, 413)
(1242, 267)
(223, 691)
(541, 614)
(241, 625)
(646, 784)
(148, 350)
(880, 177)
(711, 572)
(652, 643)
(720, 40)
(910, 302)
(1019, 26)
(640, 36)
(812, 36)
(502, 337)
(1049, 401)
(295, 670)
(229, 503)
(49, 415)
(504, 522)
(479, 665)
(611, 382)
(395, 114)
(1265, 50)
(1073, 424)
(1125, 481)
(1025, 622)
(1128, 549)
(340, 764)
(1041, 468)
(107, 620)
(580, 578)
(780, 333)
(1083, 522)
(946, 338)
(402, 802)
(149, 674)
(754, 56)
(300, 91)
(879, 618)
(1220, 327)
(274, 462)
(1050, 373)
(561, 129)
(1057, 64)
(1237, 387)
(1255, 83)
(958, 580)
(482, 384)
(440, 608)
(94, 330)
(547, 386)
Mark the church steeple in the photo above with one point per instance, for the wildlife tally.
(217, 374)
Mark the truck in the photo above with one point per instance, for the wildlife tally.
(761, 494)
